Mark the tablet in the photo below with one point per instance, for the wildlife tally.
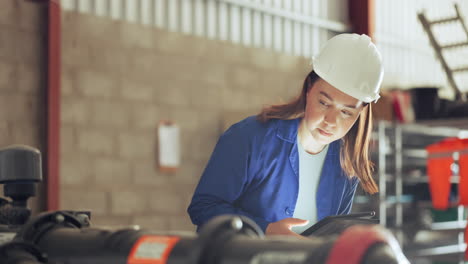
(335, 224)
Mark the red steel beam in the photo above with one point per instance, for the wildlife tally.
(361, 16)
(53, 107)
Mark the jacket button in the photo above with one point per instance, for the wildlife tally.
(288, 211)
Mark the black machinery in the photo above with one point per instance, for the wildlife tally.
(66, 237)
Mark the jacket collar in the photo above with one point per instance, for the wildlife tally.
(287, 129)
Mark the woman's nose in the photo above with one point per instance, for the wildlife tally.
(330, 118)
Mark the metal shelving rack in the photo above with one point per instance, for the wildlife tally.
(399, 147)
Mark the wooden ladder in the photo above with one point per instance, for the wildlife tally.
(427, 25)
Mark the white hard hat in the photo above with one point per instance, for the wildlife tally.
(352, 64)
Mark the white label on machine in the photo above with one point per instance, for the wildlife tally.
(6, 237)
(294, 257)
(152, 249)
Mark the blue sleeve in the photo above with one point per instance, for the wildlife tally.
(347, 202)
(225, 179)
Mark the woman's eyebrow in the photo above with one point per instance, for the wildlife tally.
(331, 99)
(326, 95)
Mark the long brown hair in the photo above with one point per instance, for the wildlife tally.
(354, 157)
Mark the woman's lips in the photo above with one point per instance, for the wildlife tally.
(324, 133)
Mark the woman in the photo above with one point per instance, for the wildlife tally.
(296, 163)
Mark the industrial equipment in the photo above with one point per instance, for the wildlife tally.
(67, 237)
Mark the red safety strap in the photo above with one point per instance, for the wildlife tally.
(463, 189)
(466, 240)
(439, 170)
(354, 242)
(439, 173)
(463, 184)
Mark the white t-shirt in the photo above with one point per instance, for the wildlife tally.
(310, 169)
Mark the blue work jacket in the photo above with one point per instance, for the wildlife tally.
(254, 171)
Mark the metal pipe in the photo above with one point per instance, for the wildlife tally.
(398, 181)
(382, 176)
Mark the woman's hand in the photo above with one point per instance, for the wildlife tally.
(283, 227)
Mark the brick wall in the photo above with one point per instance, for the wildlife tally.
(119, 80)
(23, 77)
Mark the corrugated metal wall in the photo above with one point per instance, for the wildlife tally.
(409, 59)
(296, 27)
(300, 27)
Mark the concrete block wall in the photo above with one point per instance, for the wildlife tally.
(23, 77)
(119, 80)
